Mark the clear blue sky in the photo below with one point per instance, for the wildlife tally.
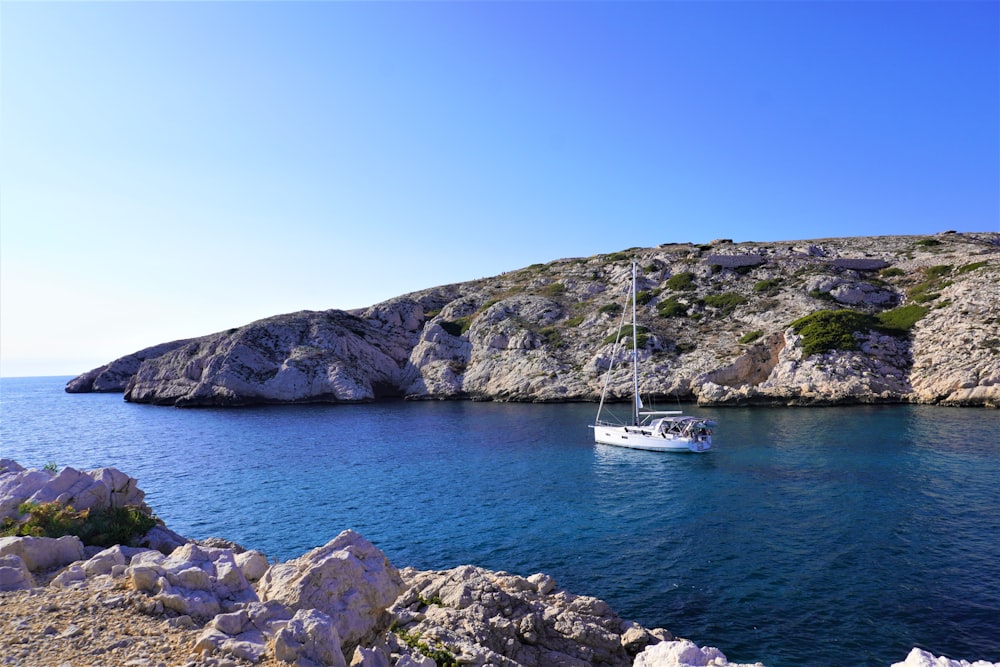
(174, 169)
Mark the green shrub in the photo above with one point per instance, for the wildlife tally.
(552, 336)
(672, 308)
(892, 272)
(750, 336)
(767, 285)
(684, 348)
(726, 301)
(94, 527)
(643, 297)
(641, 334)
(827, 330)
(971, 267)
(821, 295)
(928, 242)
(616, 257)
(681, 281)
(937, 271)
(902, 319)
(457, 327)
(610, 308)
(554, 289)
(574, 321)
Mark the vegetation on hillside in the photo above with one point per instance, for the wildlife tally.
(95, 527)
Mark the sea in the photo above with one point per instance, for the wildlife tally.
(838, 536)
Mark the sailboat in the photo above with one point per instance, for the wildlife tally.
(652, 430)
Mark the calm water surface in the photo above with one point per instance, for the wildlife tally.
(837, 536)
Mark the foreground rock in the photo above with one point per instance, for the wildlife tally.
(215, 604)
(718, 330)
(920, 658)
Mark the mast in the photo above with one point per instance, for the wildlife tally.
(635, 355)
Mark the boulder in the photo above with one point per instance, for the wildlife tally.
(683, 653)
(310, 637)
(200, 582)
(496, 618)
(348, 579)
(920, 658)
(43, 553)
(14, 574)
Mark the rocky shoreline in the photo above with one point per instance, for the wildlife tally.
(170, 601)
(904, 319)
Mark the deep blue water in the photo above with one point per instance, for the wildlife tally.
(809, 536)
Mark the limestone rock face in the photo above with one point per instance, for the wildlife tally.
(348, 579)
(715, 329)
(101, 488)
(495, 618)
(302, 357)
(114, 376)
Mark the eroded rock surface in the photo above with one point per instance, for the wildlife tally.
(545, 333)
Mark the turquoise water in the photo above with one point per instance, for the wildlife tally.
(833, 536)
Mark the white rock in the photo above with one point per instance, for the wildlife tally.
(43, 553)
(348, 579)
(14, 574)
(920, 658)
(253, 564)
(683, 653)
(312, 635)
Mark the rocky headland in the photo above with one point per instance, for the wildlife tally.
(164, 600)
(900, 319)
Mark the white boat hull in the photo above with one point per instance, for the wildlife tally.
(635, 437)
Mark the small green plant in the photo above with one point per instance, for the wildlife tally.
(827, 330)
(971, 267)
(552, 336)
(457, 327)
(616, 257)
(681, 281)
(892, 272)
(750, 336)
(684, 348)
(725, 302)
(441, 656)
(672, 308)
(821, 295)
(94, 527)
(641, 334)
(51, 467)
(928, 242)
(610, 308)
(643, 297)
(574, 321)
(554, 289)
(767, 285)
(937, 271)
(902, 319)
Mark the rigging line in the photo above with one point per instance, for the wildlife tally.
(614, 354)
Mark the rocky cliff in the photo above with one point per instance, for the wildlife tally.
(828, 321)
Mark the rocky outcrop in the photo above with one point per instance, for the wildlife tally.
(717, 328)
(496, 618)
(348, 579)
(101, 488)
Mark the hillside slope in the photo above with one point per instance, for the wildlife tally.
(828, 321)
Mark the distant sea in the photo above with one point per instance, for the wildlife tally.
(810, 536)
